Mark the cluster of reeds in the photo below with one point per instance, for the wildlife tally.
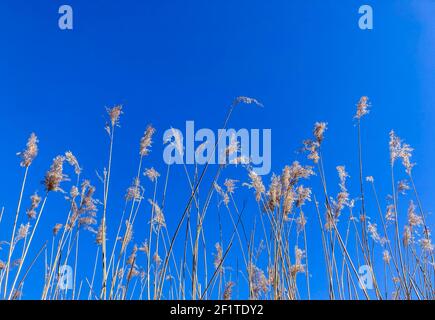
(394, 245)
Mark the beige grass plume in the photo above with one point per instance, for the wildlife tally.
(114, 114)
(400, 150)
(146, 141)
(256, 184)
(152, 174)
(55, 175)
(72, 161)
(31, 151)
(362, 107)
(319, 131)
(35, 201)
(228, 291)
(159, 218)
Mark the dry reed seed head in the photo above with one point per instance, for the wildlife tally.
(159, 217)
(74, 192)
(402, 186)
(339, 204)
(72, 161)
(391, 213)
(57, 228)
(242, 160)
(120, 273)
(218, 256)
(303, 195)
(285, 179)
(319, 131)
(246, 100)
(370, 179)
(228, 291)
(372, 229)
(362, 107)
(132, 257)
(128, 236)
(298, 267)
(134, 192)
(301, 221)
(257, 184)
(88, 204)
(395, 145)
(146, 141)
(400, 150)
(230, 184)
(386, 256)
(99, 235)
(292, 174)
(156, 258)
(414, 220)
(288, 203)
(426, 245)
(312, 147)
(132, 273)
(274, 193)
(74, 217)
(407, 236)
(87, 223)
(222, 193)
(31, 151)
(2, 265)
(233, 147)
(16, 262)
(144, 247)
(152, 174)
(22, 233)
(258, 281)
(55, 175)
(35, 201)
(114, 114)
(342, 175)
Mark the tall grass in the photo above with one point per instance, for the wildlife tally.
(259, 255)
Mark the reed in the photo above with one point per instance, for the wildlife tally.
(173, 257)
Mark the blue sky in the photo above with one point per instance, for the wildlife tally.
(172, 61)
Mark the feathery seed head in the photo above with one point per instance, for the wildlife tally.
(31, 151)
(230, 184)
(246, 100)
(146, 141)
(114, 114)
(386, 256)
(72, 161)
(228, 290)
(57, 228)
(319, 131)
(414, 219)
(55, 175)
(35, 200)
(362, 107)
(152, 174)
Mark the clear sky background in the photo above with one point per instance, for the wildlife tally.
(172, 61)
